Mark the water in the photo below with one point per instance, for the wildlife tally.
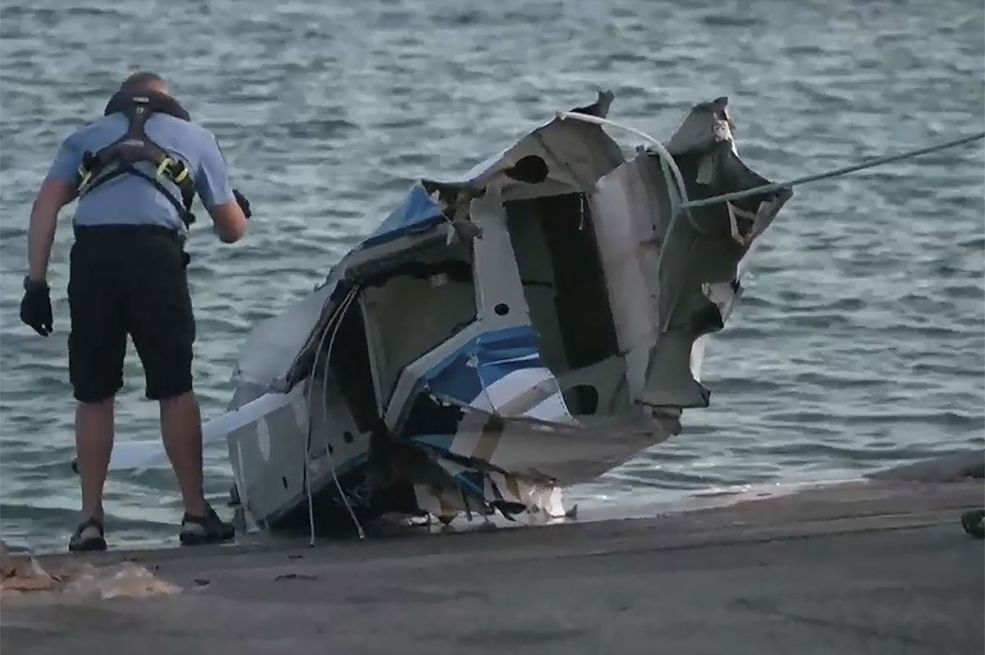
(859, 343)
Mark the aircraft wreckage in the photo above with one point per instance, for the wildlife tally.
(498, 337)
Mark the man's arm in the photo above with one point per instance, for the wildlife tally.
(230, 221)
(54, 194)
(57, 190)
(212, 182)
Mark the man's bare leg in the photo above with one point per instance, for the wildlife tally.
(181, 428)
(93, 447)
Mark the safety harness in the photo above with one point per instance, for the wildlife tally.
(122, 156)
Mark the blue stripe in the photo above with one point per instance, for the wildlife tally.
(494, 352)
(495, 371)
(456, 380)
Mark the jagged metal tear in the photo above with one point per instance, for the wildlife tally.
(698, 277)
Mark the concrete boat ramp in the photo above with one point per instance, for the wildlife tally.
(880, 566)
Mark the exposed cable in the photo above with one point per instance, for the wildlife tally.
(344, 307)
(307, 447)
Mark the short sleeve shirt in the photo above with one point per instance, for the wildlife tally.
(130, 199)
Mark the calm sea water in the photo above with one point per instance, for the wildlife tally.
(859, 343)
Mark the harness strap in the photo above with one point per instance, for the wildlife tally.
(122, 156)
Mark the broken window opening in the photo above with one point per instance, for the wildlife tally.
(564, 285)
(413, 308)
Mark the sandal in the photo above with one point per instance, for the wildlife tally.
(208, 529)
(88, 536)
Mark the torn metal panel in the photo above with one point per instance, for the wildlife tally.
(576, 154)
(634, 210)
(698, 270)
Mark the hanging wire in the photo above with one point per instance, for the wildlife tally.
(328, 448)
(334, 318)
(307, 445)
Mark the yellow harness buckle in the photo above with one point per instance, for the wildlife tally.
(163, 166)
(86, 176)
(169, 165)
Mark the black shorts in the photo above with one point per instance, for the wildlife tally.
(129, 280)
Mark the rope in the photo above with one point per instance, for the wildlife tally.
(838, 172)
(665, 157)
(767, 188)
(661, 150)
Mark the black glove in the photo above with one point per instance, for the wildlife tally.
(244, 204)
(36, 306)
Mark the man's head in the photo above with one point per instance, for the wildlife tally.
(144, 82)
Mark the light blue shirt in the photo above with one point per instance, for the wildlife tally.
(129, 199)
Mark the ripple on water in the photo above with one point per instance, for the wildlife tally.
(858, 341)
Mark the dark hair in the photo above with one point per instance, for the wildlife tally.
(142, 82)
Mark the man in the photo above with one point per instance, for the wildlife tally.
(127, 276)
